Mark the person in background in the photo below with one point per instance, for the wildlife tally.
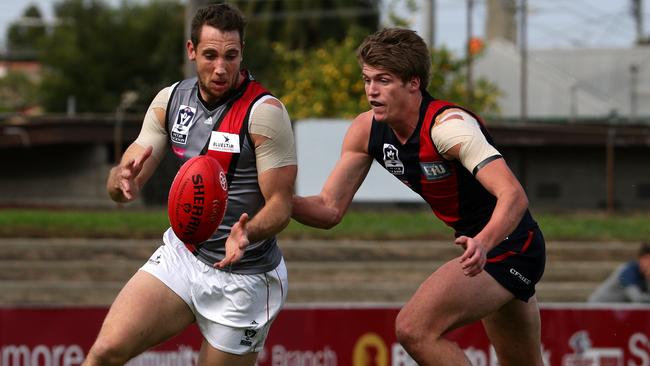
(628, 283)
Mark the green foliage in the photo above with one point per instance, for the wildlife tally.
(24, 37)
(357, 224)
(17, 92)
(299, 25)
(97, 53)
(449, 82)
(326, 81)
(322, 82)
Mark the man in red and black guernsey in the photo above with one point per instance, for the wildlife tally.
(234, 284)
(444, 153)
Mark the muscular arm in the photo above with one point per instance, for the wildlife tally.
(511, 204)
(326, 209)
(459, 138)
(142, 157)
(276, 164)
(277, 185)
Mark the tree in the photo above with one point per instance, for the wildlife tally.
(98, 53)
(17, 92)
(326, 81)
(23, 36)
(299, 25)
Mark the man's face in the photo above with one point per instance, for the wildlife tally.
(386, 93)
(218, 57)
(644, 264)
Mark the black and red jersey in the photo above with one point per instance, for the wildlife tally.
(454, 194)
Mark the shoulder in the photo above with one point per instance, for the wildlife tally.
(362, 122)
(358, 133)
(454, 114)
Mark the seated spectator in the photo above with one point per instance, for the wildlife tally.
(628, 283)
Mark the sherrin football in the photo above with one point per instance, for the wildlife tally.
(197, 199)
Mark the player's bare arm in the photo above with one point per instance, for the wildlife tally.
(511, 205)
(142, 157)
(277, 170)
(326, 209)
(457, 134)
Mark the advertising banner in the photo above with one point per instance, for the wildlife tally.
(572, 335)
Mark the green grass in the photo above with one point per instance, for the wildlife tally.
(358, 224)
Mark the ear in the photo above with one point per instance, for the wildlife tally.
(414, 84)
(191, 51)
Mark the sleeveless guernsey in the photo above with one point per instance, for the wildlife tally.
(452, 192)
(222, 132)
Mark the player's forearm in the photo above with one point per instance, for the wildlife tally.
(270, 220)
(509, 210)
(313, 211)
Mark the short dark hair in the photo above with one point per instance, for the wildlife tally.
(399, 51)
(644, 249)
(224, 17)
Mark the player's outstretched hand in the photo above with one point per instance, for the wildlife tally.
(475, 256)
(129, 171)
(236, 243)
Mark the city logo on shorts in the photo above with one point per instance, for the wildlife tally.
(247, 339)
(435, 170)
(182, 124)
(391, 160)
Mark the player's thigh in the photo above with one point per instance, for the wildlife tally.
(145, 313)
(515, 331)
(448, 299)
(210, 356)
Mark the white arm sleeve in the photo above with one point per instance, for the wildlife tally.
(153, 132)
(459, 127)
(279, 149)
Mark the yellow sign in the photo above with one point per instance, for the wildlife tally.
(370, 350)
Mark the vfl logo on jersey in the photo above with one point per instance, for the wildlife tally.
(226, 142)
(391, 160)
(435, 170)
(184, 121)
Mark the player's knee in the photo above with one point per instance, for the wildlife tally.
(406, 330)
(105, 353)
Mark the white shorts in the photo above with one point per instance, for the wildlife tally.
(233, 311)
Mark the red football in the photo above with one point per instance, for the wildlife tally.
(197, 199)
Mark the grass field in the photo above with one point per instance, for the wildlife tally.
(357, 224)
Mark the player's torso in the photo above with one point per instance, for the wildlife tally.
(454, 195)
(222, 132)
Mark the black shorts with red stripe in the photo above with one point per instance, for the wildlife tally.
(518, 262)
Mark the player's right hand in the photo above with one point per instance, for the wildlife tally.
(128, 171)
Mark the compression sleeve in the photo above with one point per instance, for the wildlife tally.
(153, 133)
(279, 149)
(459, 127)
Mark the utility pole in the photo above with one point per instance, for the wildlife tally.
(501, 20)
(190, 9)
(523, 48)
(637, 13)
(470, 81)
(430, 22)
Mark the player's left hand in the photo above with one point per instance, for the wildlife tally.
(236, 243)
(475, 256)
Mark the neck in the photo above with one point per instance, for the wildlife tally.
(406, 123)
